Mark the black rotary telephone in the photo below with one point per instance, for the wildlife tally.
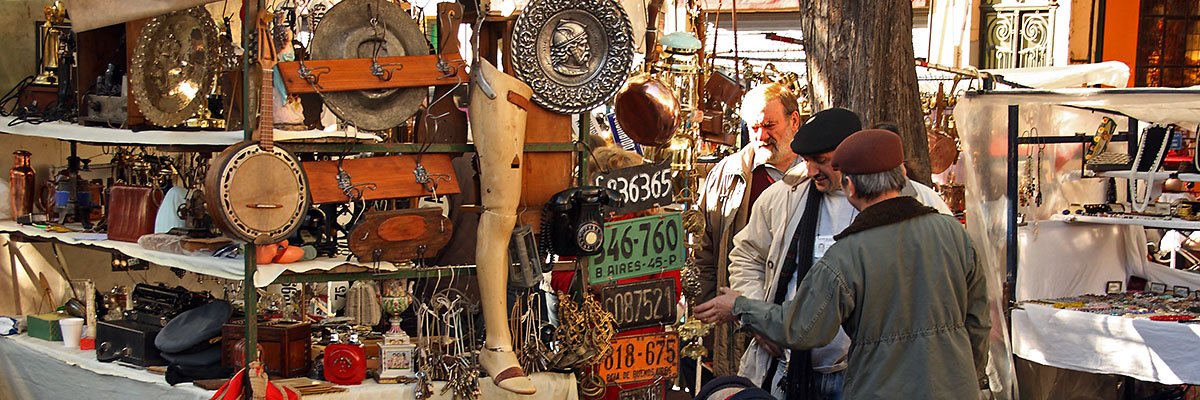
(572, 224)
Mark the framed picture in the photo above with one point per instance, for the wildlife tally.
(1113, 287)
(396, 360)
(1182, 291)
(1156, 287)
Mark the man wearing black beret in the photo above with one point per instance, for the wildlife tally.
(902, 280)
(790, 227)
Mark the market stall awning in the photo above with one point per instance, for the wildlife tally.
(1108, 73)
(768, 5)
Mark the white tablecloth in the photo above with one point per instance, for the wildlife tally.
(1156, 351)
(212, 266)
(91, 134)
(32, 368)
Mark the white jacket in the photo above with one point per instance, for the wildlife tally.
(760, 248)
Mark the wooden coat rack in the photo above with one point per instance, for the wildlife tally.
(445, 68)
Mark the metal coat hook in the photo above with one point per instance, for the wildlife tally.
(312, 75)
(382, 71)
(352, 191)
(429, 180)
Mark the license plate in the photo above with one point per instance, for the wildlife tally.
(653, 391)
(642, 358)
(640, 304)
(644, 186)
(638, 247)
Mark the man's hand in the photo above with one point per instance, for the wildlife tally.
(768, 345)
(719, 309)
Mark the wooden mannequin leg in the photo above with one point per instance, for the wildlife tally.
(498, 126)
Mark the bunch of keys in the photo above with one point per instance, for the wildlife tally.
(464, 377)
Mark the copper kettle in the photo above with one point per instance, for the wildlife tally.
(647, 110)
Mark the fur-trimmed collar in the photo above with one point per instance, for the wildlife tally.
(886, 212)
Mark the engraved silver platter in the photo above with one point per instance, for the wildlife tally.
(575, 54)
(173, 65)
(346, 32)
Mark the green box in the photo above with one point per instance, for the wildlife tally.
(45, 326)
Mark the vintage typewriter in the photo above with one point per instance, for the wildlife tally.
(157, 304)
(130, 341)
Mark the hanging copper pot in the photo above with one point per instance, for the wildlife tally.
(943, 151)
(647, 110)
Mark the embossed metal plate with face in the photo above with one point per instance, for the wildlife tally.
(575, 54)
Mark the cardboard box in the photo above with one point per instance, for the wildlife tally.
(45, 326)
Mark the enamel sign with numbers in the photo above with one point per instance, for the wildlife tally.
(640, 304)
(644, 186)
(637, 247)
(641, 358)
(653, 391)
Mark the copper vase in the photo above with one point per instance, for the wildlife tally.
(22, 180)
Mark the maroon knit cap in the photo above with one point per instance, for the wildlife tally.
(869, 151)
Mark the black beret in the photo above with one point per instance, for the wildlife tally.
(825, 130)
(723, 382)
(208, 356)
(192, 327)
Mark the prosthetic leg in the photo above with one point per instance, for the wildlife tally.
(497, 114)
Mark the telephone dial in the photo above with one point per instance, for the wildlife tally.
(572, 224)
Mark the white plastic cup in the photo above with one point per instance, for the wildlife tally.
(72, 329)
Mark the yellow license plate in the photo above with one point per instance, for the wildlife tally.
(641, 358)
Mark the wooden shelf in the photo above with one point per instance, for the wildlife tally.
(102, 135)
(228, 268)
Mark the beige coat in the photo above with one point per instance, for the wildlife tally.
(722, 200)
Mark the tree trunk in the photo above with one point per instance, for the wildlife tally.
(860, 56)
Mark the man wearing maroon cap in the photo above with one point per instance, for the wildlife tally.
(902, 280)
(789, 229)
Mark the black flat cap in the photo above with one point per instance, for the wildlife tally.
(825, 130)
(193, 327)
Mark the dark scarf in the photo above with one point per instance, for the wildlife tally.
(801, 381)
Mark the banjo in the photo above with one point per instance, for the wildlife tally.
(257, 191)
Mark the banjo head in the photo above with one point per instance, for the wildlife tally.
(255, 194)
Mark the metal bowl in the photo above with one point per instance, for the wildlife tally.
(647, 110)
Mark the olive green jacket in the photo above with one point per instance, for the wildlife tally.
(906, 285)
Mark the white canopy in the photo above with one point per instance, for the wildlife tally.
(1108, 73)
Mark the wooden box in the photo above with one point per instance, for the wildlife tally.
(286, 346)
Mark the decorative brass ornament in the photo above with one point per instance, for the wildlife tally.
(575, 54)
(347, 31)
(173, 65)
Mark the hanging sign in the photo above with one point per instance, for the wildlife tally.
(641, 358)
(637, 247)
(644, 186)
(641, 304)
